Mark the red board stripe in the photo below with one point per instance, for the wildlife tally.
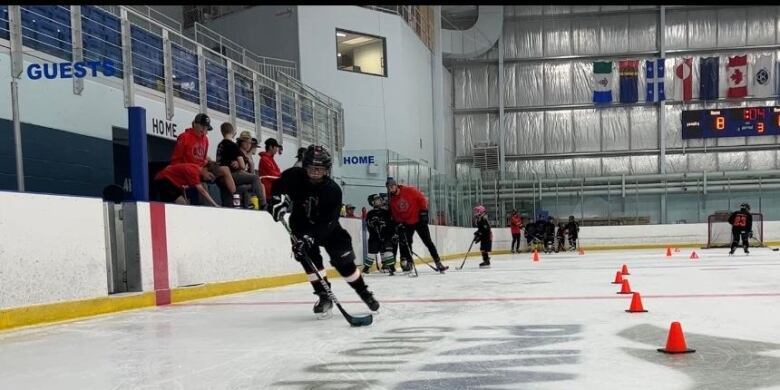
(160, 253)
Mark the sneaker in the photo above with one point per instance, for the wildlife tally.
(324, 305)
(406, 266)
(368, 298)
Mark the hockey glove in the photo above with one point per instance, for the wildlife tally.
(399, 229)
(280, 206)
(476, 237)
(750, 234)
(423, 216)
(302, 246)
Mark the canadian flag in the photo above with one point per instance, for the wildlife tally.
(683, 79)
(737, 75)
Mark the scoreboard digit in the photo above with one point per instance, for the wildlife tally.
(731, 122)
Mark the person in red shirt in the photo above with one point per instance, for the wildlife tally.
(192, 147)
(267, 169)
(410, 210)
(170, 182)
(515, 224)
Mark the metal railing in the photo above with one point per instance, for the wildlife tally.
(152, 55)
(418, 17)
(605, 200)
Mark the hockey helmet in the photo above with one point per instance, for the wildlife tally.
(479, 210)
(317, 156)
(376, 200)
(745, 206)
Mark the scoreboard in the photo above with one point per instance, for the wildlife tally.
(731, 122)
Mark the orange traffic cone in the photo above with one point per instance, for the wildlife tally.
(625, 288)
(536, 255)
(624, 271)
(582, 251)
(694, 255)
(675, 343)
(636, 304)
(668, 251)
(618, 278)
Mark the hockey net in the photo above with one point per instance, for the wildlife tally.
(719, 230)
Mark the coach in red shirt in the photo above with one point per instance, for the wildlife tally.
(410, 209)
(192, 147)
(170, 182)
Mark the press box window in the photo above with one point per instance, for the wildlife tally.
(361, 53)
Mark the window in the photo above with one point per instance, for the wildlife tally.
(361, 53)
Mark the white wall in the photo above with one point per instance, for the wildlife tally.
(369, 57)
(52, 248)
(393, 112)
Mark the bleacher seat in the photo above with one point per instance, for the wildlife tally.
(216, 87)
(4, 22)
(102, 36)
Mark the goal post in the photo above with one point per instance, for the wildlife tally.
(719, 230)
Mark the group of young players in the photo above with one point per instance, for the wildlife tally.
(314, 201)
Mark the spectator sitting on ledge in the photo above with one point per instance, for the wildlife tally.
(170, 182)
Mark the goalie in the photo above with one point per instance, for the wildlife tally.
(741, 227)
(381, 235)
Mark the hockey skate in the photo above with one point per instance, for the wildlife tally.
(324, 307)
(389, 269)
(440, 267)
(368, 298)
(485, 263)
(366, 269)
(747, 252)
(731, 252)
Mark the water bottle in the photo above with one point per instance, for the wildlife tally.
(237, 201)
(255, 202)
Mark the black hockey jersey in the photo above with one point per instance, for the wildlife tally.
(316, 208)
(379, 221)
(484, 232)
(573, 228)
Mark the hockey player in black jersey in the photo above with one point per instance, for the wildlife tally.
(560, 238)
(573, 230)
(741, 227)
(549, 235)
(381, 235)
(483, 235)
(313, 200)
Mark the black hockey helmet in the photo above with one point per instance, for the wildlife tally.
(376, 200)
(317, 156)
(571, 218)
(745, 206)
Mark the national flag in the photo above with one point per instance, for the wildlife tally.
(683, 79)
(655, 80)
(708, 78)
(762, 82)
(602, 81)
(629, 78)
(736, 70)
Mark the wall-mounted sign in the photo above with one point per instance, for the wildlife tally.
(358, 160)
(69, 70)
(163, 128)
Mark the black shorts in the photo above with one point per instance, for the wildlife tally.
(168, 191)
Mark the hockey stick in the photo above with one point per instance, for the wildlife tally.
(467, 255)
(418, 256)
(354, 321)
(760, 243)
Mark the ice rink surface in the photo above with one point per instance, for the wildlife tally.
(555, 324)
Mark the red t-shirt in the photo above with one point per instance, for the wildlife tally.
(181, 174)
(515, 223)
(268, 167)
(190, 148)
(405, 207)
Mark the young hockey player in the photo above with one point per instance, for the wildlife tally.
(549, 235)
(530, 232)
(573, 229)
(483, 235)
(314, 201)
(560, 238)
(741, 227)
(515, 223)
(539, 231)
(381, 230)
